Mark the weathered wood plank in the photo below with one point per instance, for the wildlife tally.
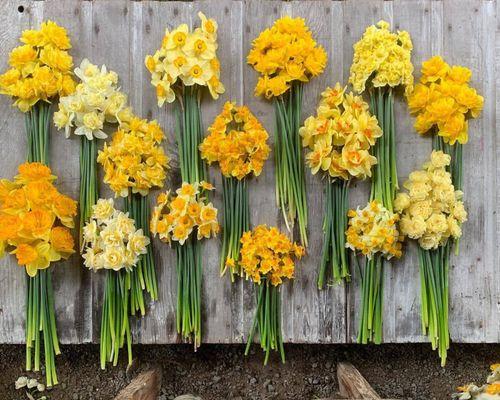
(472, 271)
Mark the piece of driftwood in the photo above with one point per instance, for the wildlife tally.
(145, 386)
(352, 384)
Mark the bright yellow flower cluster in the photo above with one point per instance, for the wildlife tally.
(35, 218)
(340, 136)
(111, 239)
(383, 57)
(176, 217)
(237, 141)
(284, 53)
(266, 253)
(444, 99)
(96, 101)
(188, 56)
(40, 68)
(432, 210)
(134, 159)
(373, 229)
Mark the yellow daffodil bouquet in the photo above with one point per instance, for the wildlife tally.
(373, 232)
(488, 391)
(432, 212)
(35, 222)
(134, 163)
(267, 258)
(287, 56)
(382, 65)
(338, 141)
(185, 64)
(96, 102)
(184, 219)
(113, 243)
(443, 102)
(238, 143)
(40, 72)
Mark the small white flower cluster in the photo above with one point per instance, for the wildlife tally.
(111, 239)
(31, 384)
(97, 100)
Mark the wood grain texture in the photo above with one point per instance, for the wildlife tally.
(120, 33)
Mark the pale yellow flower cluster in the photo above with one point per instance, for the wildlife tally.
(267, 253)
(175, 217)
(97, 100)
(237, 141)
(339, 137)
(382, 58)
(187, 57)
(432, 210)
(444, 99)
(373, 229)
(284, 53)
(111, 239)
(40, 68)
(488, 391)
(135, 159)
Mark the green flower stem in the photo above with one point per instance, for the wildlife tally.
(236, 221)
(334, 253)
(189, 135)
(143, 276)
(291, 194)
(41, 330)
(115, 325)
(89, 186)
(268, 319)
(384, 189)
(434, 267)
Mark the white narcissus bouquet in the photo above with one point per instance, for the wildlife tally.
(97, 101)
(113, 243)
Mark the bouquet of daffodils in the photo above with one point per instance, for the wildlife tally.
(381, 64)
(287, 56)
(432, 212)
(40, 71)
(96, 101)
(184, 219)
(34, 226)
(113, 243)
(238, 143)
(339, 139)
(373, 232)
(134, 163)
(443, 102)
(489, 391)
(185, 63)
(267, 258)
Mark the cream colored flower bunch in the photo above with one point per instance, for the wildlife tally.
(97, 100)
(186, 57)
(111, 239)
(340, 136)
(432, 210)
(383, 57)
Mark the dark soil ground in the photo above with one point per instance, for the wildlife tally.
(405, 371)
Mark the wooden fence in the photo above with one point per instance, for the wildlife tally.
(120, 33)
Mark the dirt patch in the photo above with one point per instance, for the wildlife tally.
(406, 371)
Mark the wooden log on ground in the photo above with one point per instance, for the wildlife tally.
(145, 386)
(352, 385)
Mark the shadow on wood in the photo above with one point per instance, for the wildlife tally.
(145, 386)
